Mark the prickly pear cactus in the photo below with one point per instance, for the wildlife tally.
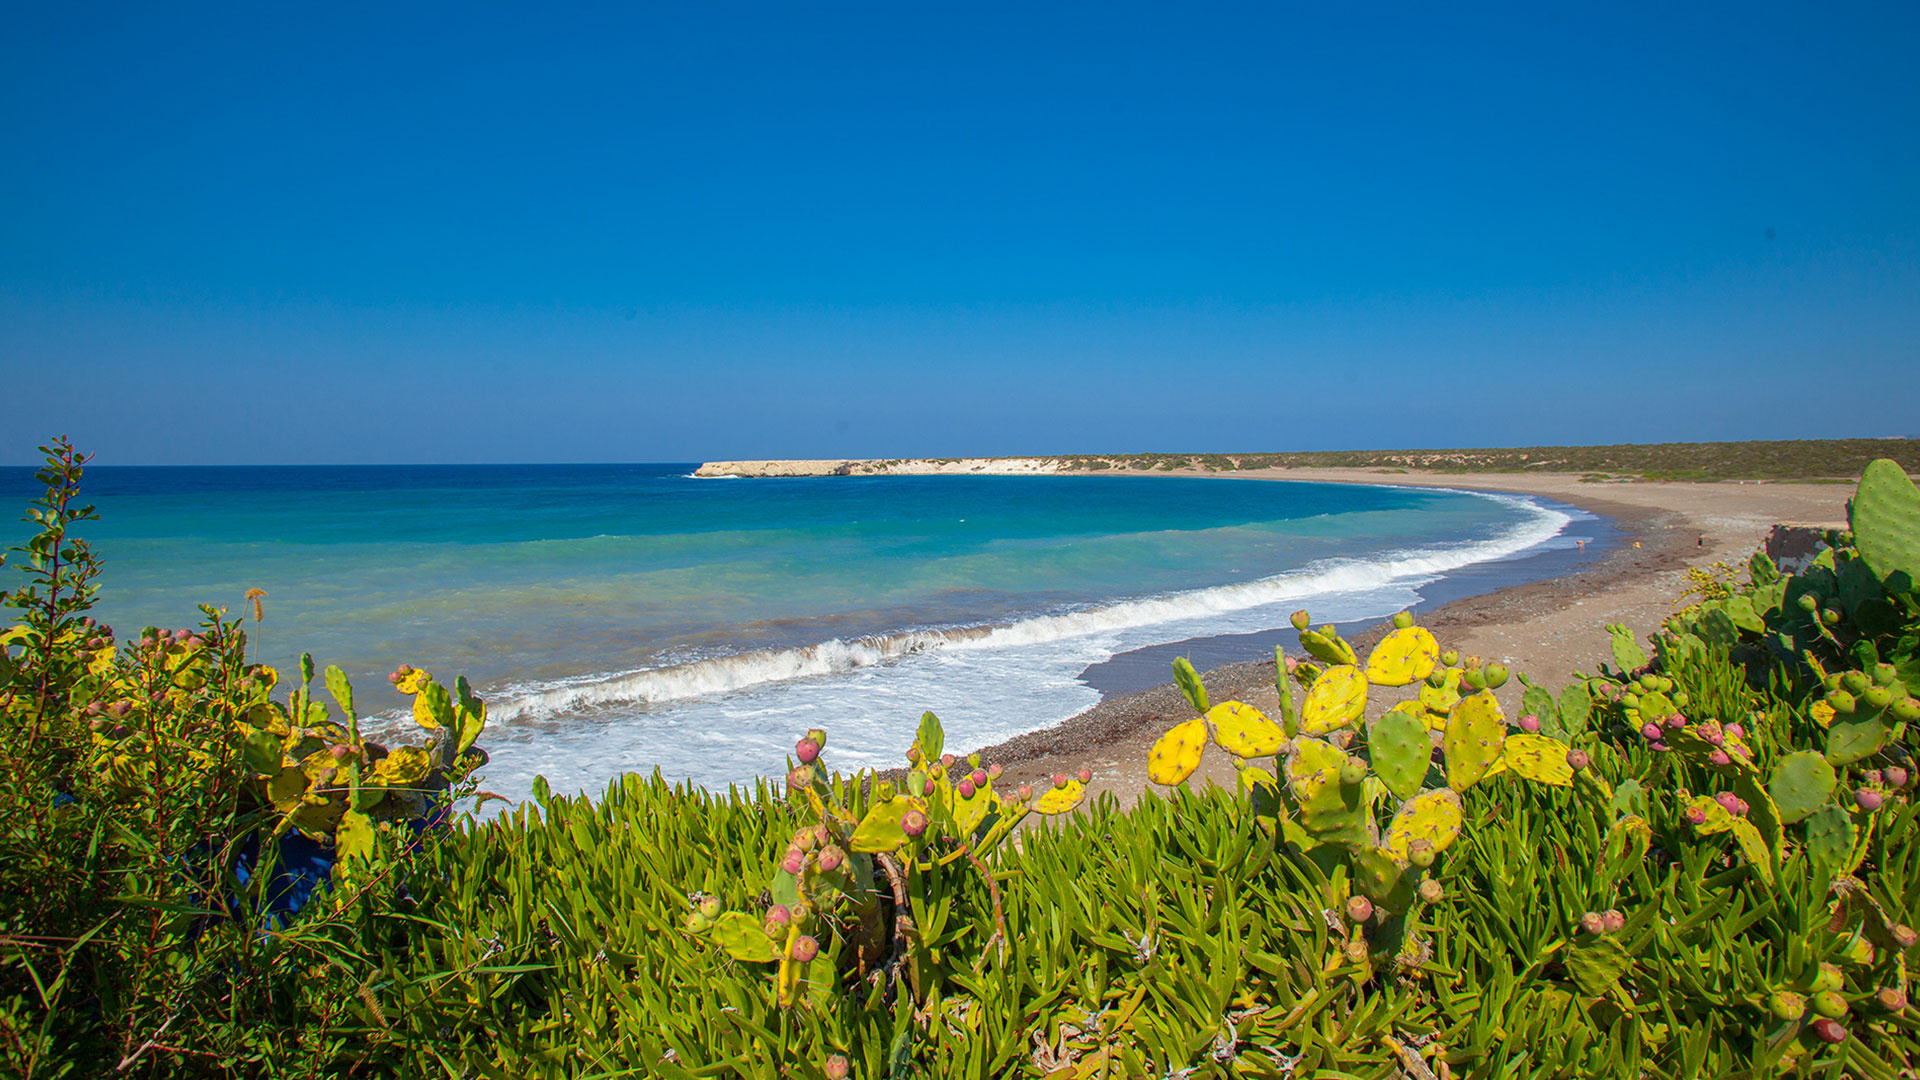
(1802, 783)
(1176, 754)
(1475, 738)
(1434, 816)
(1336, 699)
(1241, 730)
(1885, 517)
(1401, 751)
(1403, 657)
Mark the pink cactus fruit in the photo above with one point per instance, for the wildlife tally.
(965, 788)
(1650, 730)
(1612, 920)
(836, 1067)
(913, 822)
(1025, 792)
(807, 751)
(1868, 799)
(831, 858)
(1086, 776)
(1530, 723)
(805, 948)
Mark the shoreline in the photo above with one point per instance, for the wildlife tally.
(1546, 628)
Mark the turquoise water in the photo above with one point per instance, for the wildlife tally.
(624, 617)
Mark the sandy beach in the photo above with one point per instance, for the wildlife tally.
(1547, 629)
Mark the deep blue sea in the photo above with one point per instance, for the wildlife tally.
(627, 617)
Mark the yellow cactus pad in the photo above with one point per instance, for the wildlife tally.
(1405, 656)
(1241, 730)
(1718, 818)
(1539, 759)
(1336, 699)
(1062, 799)
(405, 765)
(1441, 699)
(1822, 714)
(413, 681)
(1252, 777)
(1177, 753)
(1313, 765)
(969, 813)
(1475, 737)
(1434, 816)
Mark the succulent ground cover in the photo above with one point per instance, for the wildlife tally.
(1698, 859)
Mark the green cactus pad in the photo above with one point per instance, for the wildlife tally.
(1190, 685)
(1538, 701)
(1405, 656)
(1885, 515)
(931, 738)
(1762, 811)
(1241, 730)
(1576, 708)
(1337, 698)
(1475, 737)
(1177, 753)
(1401, 752)
(1857, 737)
(1596, 964)
(1754, 847)
(1830, 836)
(1801, 784)
(1328, 648)
(880, 830)
(744, 939)
(1627, 652)
(1377, 872)
(1434, 816)
(1539, 759)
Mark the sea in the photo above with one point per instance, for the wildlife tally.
(621, 618)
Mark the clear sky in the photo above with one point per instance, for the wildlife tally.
(631, 232)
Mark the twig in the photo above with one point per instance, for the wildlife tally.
(1409, 1060)
(902, 917)
(993, 891)
(152, 1041)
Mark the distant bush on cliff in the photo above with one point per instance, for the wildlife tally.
(1795, 459)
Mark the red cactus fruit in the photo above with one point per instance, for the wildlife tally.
(1650, 729)
(1025, 792)
(1612, 921)
(1696, 815)
(1359, 909)
(800, 777)
(1719, 757)
(1530, 723)
(1086, 776)
(1593, 923)
(993, 772)
(836, 1067)
(1828, 1031)
(946, 761)
(830, 858)
(1735, 731)
(1059, 779)
(979, 777)
(965, 788)
(1578, 759)
(1868, 799)
(1676, 721)
(794, 862)
(1896, 776)
(1891, 998)
(807, 751)
(805, 948)
(913, 822)
(779, 915)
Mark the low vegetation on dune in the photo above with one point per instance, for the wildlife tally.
(1794, 459)
(1699, 859)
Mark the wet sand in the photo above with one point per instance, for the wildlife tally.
(1548, 629)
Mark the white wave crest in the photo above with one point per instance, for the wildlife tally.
(721, 675)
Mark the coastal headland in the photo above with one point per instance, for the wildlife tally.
(1546, 629)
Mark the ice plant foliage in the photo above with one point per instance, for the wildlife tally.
(1700, 860)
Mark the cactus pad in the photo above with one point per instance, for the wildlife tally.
(1539, 759)
(1885, 515)
(1241, 730)
(1401, 751)
(1441, 699)
(1190, 684)
(1404, 656)
(1434, 816)
(1801, 784)
(1854, 738)
(1328, 648)
(1177, 753)
(1715, 818)
(1576, 708)
(1377, 871)
(880, 830)
(1830, 836)
(1313, 765)
(1627, 652)
(1336, 699)
(406, 765)
(1754, 848)
(1060, 800)
(1475, 737)
(744, 938)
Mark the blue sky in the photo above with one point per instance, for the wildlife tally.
(589, 231)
